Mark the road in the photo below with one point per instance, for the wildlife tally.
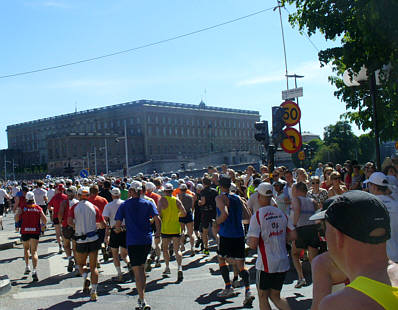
(58, 289)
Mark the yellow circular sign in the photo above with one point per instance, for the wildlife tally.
(292, 141)
(291, 113)
(301, 155)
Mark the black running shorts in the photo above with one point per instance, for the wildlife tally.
(267, 281)
(27, 237)
(88, 247)
(233, 248)
(139, 253)
(117, 240)
(206, 219)
(307, 236)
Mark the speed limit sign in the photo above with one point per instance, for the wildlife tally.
(291, 113)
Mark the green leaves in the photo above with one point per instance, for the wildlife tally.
(368, 35)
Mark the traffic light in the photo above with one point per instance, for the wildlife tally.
(262, 134)
(278, 124)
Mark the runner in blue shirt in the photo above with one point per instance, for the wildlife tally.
(137, 212)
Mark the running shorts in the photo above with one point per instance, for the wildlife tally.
(139, 253)
(68, 232)
(233, 248)
(101, 234)
(307, 236)
(207, 218)
(88, 247)
(117, 240)
(267, 281)
(171, 235)
(186, 219)
(44, 208)
(27, 237)
(1, 209)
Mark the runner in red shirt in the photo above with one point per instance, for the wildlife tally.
(54, 205)
(100, 203)
(67, 231)
(31, 216)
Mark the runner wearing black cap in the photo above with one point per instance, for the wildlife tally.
(357, 228)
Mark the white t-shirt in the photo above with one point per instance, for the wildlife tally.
(392, 243)
(111, 209)
(85, 215)
(40, 193)
(270, 225)
(50, 193)
(3, 194)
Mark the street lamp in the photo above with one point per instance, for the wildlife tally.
(125, 146)
(356, 79)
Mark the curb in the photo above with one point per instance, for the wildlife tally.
(5, 285)
(6, 246)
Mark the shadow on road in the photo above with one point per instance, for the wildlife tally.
(206, 299)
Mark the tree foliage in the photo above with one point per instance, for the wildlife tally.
(368, 35)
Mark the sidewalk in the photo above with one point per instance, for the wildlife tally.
(8, 236)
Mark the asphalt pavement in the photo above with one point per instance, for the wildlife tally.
(59, 289)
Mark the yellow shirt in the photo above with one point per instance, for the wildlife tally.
(170, 217)
(385, 295)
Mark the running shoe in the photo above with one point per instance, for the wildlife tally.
(192, 253)
(236, 283)
(119, 278)
(166, 270)
(93, 296)
(60, 250)
(300, 283)
(198, 243)
(86, 287)
(71, 264)
(248, 301)
(180, 276)
(34, 277)
(27, 270)
(228, 292)
(148, 266)
(142, 305)
(206, 252)
(157, 264)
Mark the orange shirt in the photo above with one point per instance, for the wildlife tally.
(154, 196)
(177, 191)
(98, 201)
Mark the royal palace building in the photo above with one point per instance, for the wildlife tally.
(155, 131)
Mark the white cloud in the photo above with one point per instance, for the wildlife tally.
(310, 69)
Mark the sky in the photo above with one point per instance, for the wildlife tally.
(239, 65)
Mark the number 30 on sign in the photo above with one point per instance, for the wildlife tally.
(292, 113)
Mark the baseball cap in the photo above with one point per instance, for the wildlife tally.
(136, 185)
(30, 196)
(115, 191)
(357, 214)
(60, 187)
(265, 189)
(378, 178)
(168, 187)
(320, 215)
(174, 175)
(183, 186)
(199, 186)
(84, 190)
(150, 186)
(256, 181)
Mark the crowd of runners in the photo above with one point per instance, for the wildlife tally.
(343, 219)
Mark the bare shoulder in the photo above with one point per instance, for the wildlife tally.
(348, 298)
(320, 262)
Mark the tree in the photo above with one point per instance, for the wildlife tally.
(328, 153)
(366, 148)
(368, 35)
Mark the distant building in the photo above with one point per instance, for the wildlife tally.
(155, 131)
(308, 136)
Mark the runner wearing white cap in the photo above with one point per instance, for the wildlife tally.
(116, 240)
